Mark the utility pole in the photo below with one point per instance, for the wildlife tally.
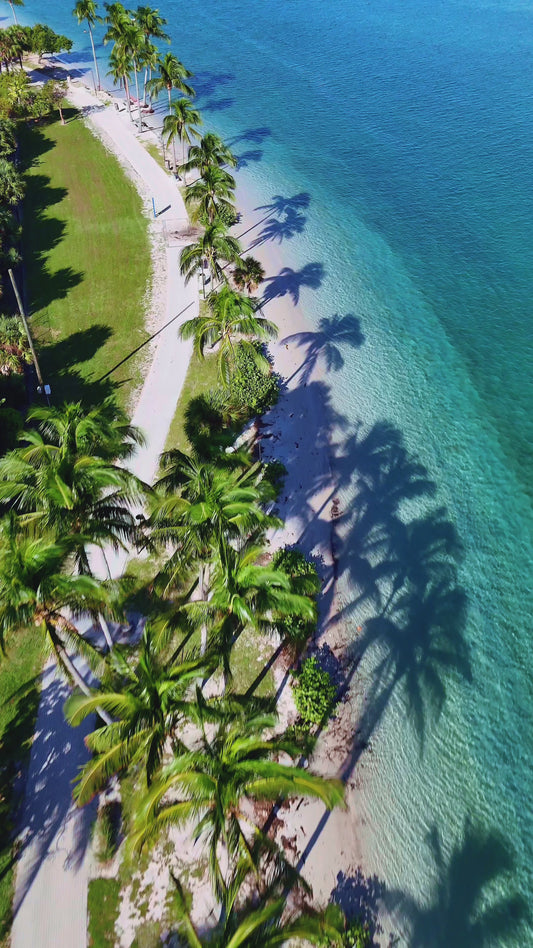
(28, 334)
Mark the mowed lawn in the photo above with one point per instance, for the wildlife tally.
(87, 262)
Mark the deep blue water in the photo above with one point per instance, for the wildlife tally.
(408, 128)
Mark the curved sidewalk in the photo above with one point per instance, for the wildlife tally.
(54, 864)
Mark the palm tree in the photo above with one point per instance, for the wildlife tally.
(210, 151)
(230, 314)
(63, 476)
(129, 40)
(180, 123)
(172, 75)
(265, 927)
(37, 588)
(13, 4)
(152, 25)
(148, 702)
(121, 66)
(248, 274)
(244, 593)
(236, 763)
(212, 192)
(215, 246)
(85, 12)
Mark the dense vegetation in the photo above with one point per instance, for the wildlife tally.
(170, 718)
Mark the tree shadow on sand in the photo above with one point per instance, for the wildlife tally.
(289, 282)
(324, 344)
(474, 902)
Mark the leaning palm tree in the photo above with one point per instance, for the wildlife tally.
(171, 75)
(248, 274)
(245, 593)
(206, 787)
(209, 151)
(39, 590)
(215, 246)
(265, 927)
(211, 194)
(148, 701)
(229, 314)
(13, 4)
(181, 123)
(85, 12)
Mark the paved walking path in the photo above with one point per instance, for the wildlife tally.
(53, 870)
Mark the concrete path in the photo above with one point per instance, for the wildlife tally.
(54, 865)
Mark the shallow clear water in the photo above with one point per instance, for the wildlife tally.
(408, 129)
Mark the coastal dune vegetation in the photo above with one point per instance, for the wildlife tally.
(185, 731)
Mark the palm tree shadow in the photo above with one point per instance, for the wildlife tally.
(360, 898)
(254, 135)
(474, 901)
(48, 805)
(247, 157)
(207, 83)
(61, 361)
(289, 282)
(333, 332)
(291, 223)
(218, 105)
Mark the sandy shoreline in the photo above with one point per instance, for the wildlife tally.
(330, 848)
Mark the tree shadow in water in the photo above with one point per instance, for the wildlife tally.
(291, 223)
(207, 83)
(248, 157)
(474, 902)
(290, 282)
(254, 135)
(218, 105)
(333, 332)
(405, 566)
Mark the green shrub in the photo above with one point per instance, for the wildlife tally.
(314, 693)
(250, 387)
(107, 831)
(303, 571)
(275, 473)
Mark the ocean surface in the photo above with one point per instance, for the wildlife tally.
(393, 141)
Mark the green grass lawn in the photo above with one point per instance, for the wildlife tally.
(19, 699)
(103, 903)
(201, 377)
(87, 262)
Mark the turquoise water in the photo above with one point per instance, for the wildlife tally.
(408, 129)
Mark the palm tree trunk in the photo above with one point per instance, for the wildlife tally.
(128, 103)
(77, 678)
(203, 582)
(13, 12)
(105, 629)
(95, 59)
(138, 100)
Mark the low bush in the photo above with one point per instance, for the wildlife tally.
(314, 693)
(250, 387)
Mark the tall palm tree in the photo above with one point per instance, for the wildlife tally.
(215, 246)
(13, 4)
(180, 123)
(229, 314)
(121, 67)
(171, 75)
(129, 40)
(38, 589)
(152, 25)
(234, 764)
(85, 12)
(214, 191)
(209, 151)
(148, 701)
(248, 274)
